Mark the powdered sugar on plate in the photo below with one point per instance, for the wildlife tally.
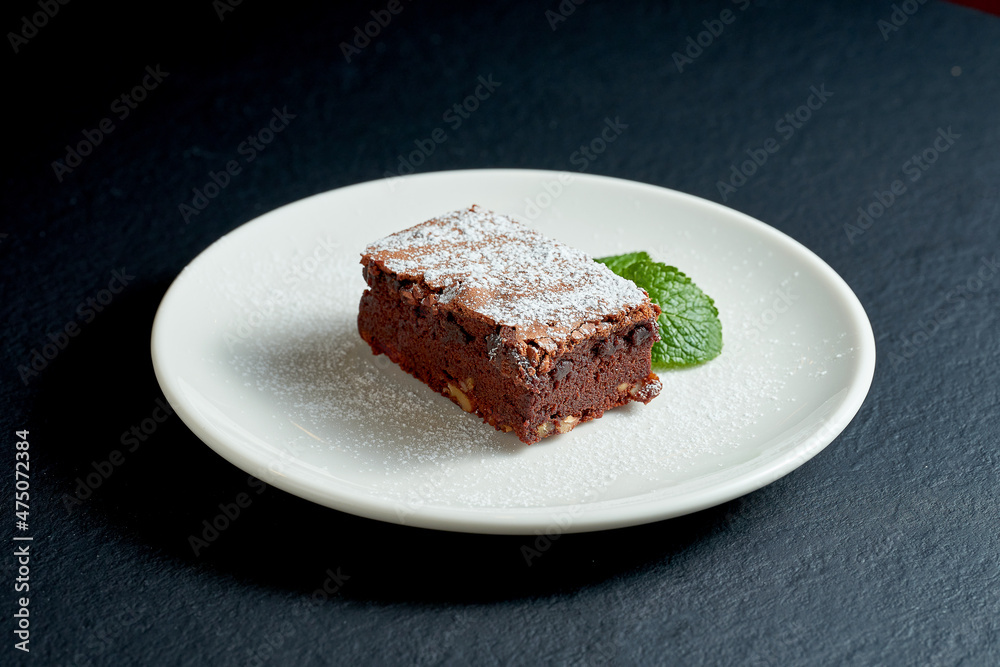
(295, 345)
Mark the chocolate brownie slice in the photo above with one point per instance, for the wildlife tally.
(530, 334)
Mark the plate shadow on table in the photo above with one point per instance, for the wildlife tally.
(169, 485)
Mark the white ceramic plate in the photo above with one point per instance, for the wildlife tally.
(256, 347)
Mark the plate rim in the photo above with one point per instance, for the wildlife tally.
(601, 515)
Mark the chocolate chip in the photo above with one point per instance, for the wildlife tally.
(640, 335)
(610, 346)
(562, 370)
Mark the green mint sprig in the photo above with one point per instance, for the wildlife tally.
(690, 328)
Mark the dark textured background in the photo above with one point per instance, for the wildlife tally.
(882, 549)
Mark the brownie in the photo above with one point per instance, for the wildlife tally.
(530, 334)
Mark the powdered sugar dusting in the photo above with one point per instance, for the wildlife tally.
(362, 421)
(507, 272)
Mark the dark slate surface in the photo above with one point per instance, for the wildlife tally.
(882, 549)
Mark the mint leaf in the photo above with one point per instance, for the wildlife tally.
(689, 324)
(619, 263)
